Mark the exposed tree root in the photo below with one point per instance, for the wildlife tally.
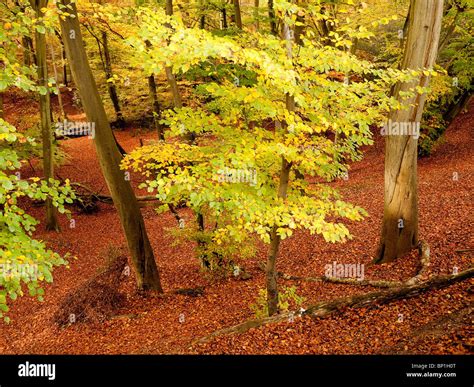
(323, 309)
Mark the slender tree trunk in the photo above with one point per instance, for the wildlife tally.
(28, 51)
(456, 107)
(29, 56)
(155, 102)
(111, 85)
(400, 221)
(2, 114)
(124, 198)
(256, 14)
(65, 80)
(224, 18)
(275, 239)
(238, 14)
(169, 7)
(202, 18)
(169, 72)
(156, 106)
(60, 98)
(272, 16)
(45, 114)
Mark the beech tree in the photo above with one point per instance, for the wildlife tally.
(124, 198)
(400, 219)
(45, 111)
(249, 180)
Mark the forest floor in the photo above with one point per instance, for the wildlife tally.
(437, 322)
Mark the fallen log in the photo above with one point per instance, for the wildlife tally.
(325, 308)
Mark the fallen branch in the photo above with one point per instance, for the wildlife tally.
(347, 281)
(424, 251)
(143, 200)
(323, 309)
(335, 280)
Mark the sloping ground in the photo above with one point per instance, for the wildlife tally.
(170, 323)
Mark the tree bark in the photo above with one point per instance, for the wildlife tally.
(111, 85)
(272, 16)
(146, 271)
(224, 18)
(156, 106)
(60, 98)
(169, 72)
(65, 80)
(45, 114)
(400, 220)
(275, 239)
(238, 14)
(202, 18)
(256, 14)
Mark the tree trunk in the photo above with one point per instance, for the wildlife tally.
(156, 106)
(169, 7)
(65, 81)
(400, 221)
(238, 14)
(224, 18)
(146, 271)
(45, 114)
(272, 16)
(111, 85)
(28, 51)
(256, 14)
(169, 72)
(60, 98)
(456, 107)
(275, 239)
(202, 18)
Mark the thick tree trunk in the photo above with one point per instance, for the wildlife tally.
(45, 114)
(146, 271)
(237, 14)
(400, 221)
(111, 85)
